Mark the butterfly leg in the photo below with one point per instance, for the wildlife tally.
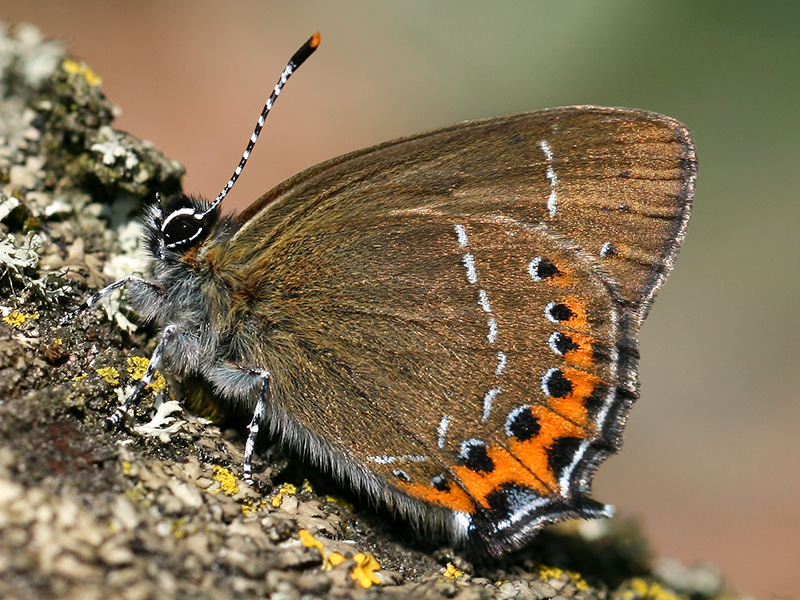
(116, 417)
(259, 413)
(145, 287)
(237, 382)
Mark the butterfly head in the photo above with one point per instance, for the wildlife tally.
(177, 224)
(181, 223)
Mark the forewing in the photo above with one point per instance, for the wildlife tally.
(618, 182)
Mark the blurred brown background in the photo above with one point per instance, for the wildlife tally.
(710, 462)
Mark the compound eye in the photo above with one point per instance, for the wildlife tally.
(180, 227)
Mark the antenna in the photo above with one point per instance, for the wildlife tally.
(297, 59)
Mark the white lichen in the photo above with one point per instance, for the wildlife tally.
(19, 256)
(6, 206)
(111, 148)
(27, 53)
(162, 425)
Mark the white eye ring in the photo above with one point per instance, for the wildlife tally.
(177, 213)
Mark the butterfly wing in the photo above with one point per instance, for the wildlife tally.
(449, 320)
(618, 181)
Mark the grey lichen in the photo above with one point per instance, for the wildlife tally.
(64, 171)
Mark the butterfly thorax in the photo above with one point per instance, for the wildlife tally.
(191, 295)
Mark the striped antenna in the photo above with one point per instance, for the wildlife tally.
(297, 59)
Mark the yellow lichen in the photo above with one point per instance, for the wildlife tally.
(579, 581)
(309, 541)
(177, 529)
(451, 571)
(286, 488)
(649, 590)
(92, 78)
(227, 481)
(329, 561)
(547, 572)
(340, 501)
(251, 508)
(138, 494)
(364, 571)
(16, 318)
(137, 365)
(110, 374)
(126, 468)
(365, 564)
(333, 559)
(80, 377)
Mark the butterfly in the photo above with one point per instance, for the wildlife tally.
(446, 322)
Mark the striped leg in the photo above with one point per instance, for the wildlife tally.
(116, 417)
(132, 280)
(255, 424)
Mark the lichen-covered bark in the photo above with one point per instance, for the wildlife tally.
(158, 510)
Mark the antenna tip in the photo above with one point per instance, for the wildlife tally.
(305, 51)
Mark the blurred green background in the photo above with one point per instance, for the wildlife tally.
(711, 459)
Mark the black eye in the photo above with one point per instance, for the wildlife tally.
(180, 228)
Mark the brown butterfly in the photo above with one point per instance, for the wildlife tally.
(448, 322)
